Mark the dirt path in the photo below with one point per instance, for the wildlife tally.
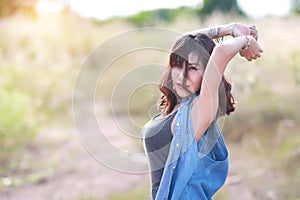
(60, 168)
(64, 170)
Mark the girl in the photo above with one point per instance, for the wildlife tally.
(186, 151)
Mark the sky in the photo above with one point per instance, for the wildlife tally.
(100, 10)
(111, 8)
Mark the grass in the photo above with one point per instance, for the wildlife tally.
(40, 59)
(137, 193)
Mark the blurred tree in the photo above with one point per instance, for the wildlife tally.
(224, 6)
(10, 7)
(295, 6)
(152, 17)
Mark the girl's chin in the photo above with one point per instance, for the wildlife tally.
(183, 93)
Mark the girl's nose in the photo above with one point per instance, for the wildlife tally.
(181, 73)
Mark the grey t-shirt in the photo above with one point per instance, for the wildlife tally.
(157, 137)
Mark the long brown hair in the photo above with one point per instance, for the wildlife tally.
(178, 57)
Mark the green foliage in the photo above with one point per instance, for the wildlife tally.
(295, 6)
(151, 18)
(22, 179)
(294, 63)
(224, 6)
(137, 193)
(45, 55)
(17, 124)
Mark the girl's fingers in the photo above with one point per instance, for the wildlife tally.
(253, 31)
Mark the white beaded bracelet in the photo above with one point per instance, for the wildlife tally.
(246, 46)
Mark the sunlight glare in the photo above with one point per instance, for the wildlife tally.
(48, 7)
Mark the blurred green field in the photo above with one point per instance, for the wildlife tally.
(41, 57)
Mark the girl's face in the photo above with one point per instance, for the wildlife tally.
(186, 85)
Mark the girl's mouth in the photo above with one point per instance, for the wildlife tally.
(182, 87)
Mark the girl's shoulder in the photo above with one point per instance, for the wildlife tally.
(156, 124)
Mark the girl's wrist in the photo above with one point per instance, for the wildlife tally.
(247, 44)
(228, 29)
(232, 27)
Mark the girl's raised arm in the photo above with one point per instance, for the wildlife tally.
(206, 104)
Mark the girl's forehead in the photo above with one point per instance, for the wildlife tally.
(193, 57)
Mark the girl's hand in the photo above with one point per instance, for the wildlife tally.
(241, 29)
(253, 51)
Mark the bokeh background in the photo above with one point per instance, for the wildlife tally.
(43, 45)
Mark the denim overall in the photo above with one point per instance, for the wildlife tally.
(193, 170)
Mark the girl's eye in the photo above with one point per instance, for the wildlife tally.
(177, 66)
(193, 68)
